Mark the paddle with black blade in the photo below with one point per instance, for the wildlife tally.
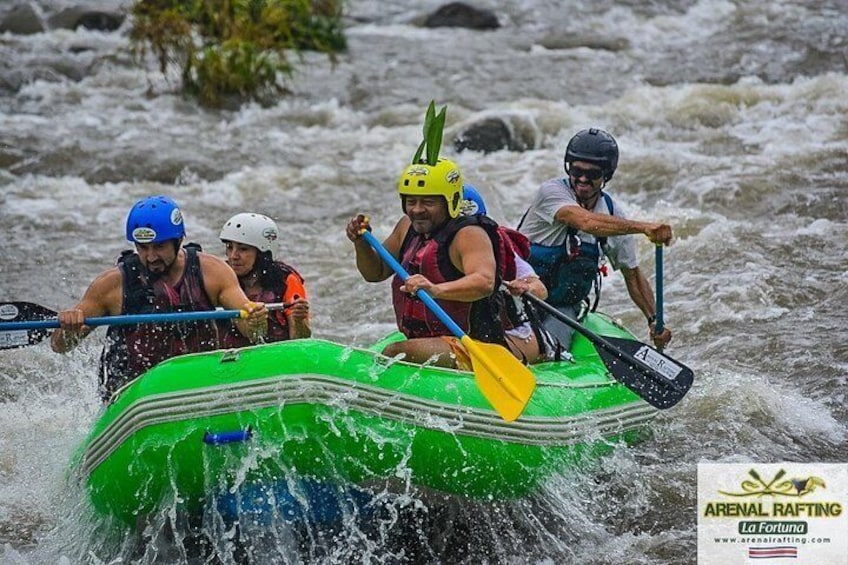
(19, 313)
(25, 323)
(657, 378)
(503, 380)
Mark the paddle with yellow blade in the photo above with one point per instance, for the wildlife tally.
(503, 380)
(25, 323)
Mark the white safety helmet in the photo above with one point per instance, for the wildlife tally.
(251, 229)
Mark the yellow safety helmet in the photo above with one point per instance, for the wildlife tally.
(441, 179)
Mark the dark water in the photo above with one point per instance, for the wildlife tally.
(731, 118)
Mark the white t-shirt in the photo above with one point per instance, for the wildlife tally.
(541, 228)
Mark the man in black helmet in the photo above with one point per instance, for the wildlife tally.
(573, 225)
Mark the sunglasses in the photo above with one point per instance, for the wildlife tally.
(591, 174)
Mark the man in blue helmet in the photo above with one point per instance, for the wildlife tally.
(159, 276)
(573, 224)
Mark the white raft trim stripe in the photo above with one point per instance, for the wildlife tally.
(322, 389)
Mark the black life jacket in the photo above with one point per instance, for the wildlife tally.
(131, 350)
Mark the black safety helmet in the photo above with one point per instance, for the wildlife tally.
(594, 146)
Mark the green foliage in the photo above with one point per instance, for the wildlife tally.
(434, 126)
(235, 49)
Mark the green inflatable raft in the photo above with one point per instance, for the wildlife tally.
(336, 414)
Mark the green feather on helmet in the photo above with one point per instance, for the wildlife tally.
(433, 176)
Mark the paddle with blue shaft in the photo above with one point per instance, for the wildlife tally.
(658, 324)
(503, 380)
(657, 378)
(25, 323)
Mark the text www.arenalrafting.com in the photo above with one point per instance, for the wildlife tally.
(772, 539)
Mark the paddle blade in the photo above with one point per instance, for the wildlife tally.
(503, 380)
(23, 312)
(662, 383)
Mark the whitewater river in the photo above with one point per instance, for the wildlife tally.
(732, 119)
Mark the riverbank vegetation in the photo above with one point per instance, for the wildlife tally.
(231, 51)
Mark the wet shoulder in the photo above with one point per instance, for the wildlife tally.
(214, 266)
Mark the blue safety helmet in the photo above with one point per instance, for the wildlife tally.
(472, 202)
(155, 219)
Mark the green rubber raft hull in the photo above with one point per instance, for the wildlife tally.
(205, 422)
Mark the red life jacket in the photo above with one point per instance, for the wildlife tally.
(484, 319)
(518, 241)
(132, 350)
(278, 324)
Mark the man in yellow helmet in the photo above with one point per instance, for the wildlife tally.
(458, 260)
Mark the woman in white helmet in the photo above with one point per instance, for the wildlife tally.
(250, 240)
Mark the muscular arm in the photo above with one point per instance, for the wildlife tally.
(603, 225)
(368, 262)
(223, 289)
(471, 252)
(103, 297)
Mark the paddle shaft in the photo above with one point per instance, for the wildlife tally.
(129, 319)
(658, 327)
(595, 338)
(421, 293)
